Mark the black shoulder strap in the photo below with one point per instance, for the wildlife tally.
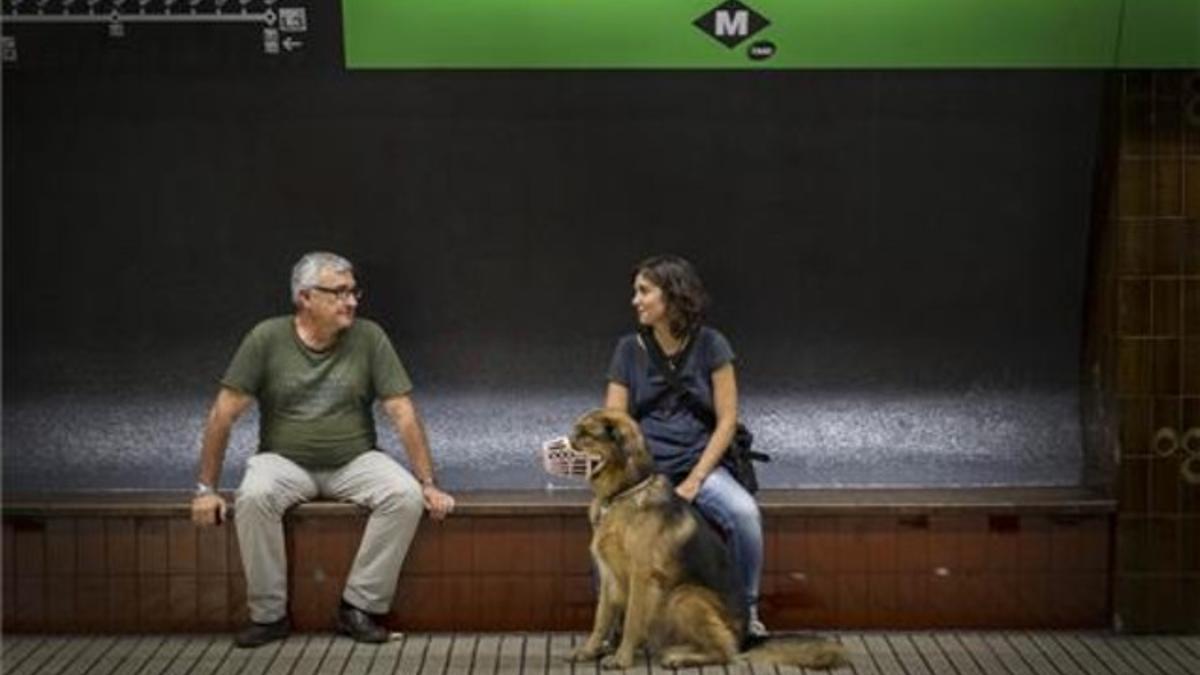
(659, 360)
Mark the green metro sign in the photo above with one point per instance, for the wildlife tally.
(730, 34)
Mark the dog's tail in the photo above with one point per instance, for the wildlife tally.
(796, 650)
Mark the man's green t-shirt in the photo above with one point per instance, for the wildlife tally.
(315, 407)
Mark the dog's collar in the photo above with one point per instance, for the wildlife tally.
(624, 494)
(630, 491)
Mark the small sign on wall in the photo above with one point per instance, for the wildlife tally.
(271, 40)
(293, 19)
(8, 45)
(118, 16)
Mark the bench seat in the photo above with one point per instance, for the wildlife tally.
(130, 561)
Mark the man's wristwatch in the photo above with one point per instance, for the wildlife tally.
(203, 490)
(427, 482)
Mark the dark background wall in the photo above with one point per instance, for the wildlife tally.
(899, 258)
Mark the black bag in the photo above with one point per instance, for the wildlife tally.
(739, 458)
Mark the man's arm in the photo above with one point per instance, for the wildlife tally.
(208, 508)
(403, 413)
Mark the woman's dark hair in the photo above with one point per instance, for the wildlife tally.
(683, 292)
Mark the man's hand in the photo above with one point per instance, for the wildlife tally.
(438, 503)
(207, 506)
(208, 510)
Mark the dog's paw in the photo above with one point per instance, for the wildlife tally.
(585, 653)
(671, 662)
(616, 662)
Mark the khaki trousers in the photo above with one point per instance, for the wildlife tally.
(273, 484)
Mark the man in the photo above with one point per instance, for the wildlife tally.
(315, 375)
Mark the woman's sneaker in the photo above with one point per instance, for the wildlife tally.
(756, 631)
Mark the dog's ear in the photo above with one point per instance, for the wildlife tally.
(613, 432)
(627, 438)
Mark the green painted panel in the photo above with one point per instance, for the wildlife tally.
(781, 33)
(1160, 34)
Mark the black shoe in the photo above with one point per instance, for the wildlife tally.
(359, 625)
(257, 634)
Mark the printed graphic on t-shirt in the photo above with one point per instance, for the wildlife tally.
(302, 398)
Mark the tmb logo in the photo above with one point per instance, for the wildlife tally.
(731, 22)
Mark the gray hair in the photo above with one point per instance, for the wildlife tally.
(306, 270)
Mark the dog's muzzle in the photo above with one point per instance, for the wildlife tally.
(560, 459)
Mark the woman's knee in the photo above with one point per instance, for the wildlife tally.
(746, 514)
(732, 504)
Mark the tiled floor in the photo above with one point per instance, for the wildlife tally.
(874, 653)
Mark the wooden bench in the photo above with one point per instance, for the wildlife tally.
(980, 558)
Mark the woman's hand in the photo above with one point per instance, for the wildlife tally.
(689, 488)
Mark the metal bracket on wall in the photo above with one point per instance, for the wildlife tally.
(117, 14)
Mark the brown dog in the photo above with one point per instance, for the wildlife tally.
(662, 568)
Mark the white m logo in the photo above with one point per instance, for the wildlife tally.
(732, 23)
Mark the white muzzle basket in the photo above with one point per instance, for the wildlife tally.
(560, 459)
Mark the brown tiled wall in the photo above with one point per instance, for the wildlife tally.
(1149, 275)
(532, 572)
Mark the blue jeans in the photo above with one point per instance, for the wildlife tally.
(726, 503)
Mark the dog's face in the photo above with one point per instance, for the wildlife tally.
(613, 440)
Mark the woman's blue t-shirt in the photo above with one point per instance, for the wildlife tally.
(674, 435)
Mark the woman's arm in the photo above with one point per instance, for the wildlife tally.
(724, 384)
(616, 397)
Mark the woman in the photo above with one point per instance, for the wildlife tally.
(669, 300)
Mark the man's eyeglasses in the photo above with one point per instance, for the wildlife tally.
(342, 294)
